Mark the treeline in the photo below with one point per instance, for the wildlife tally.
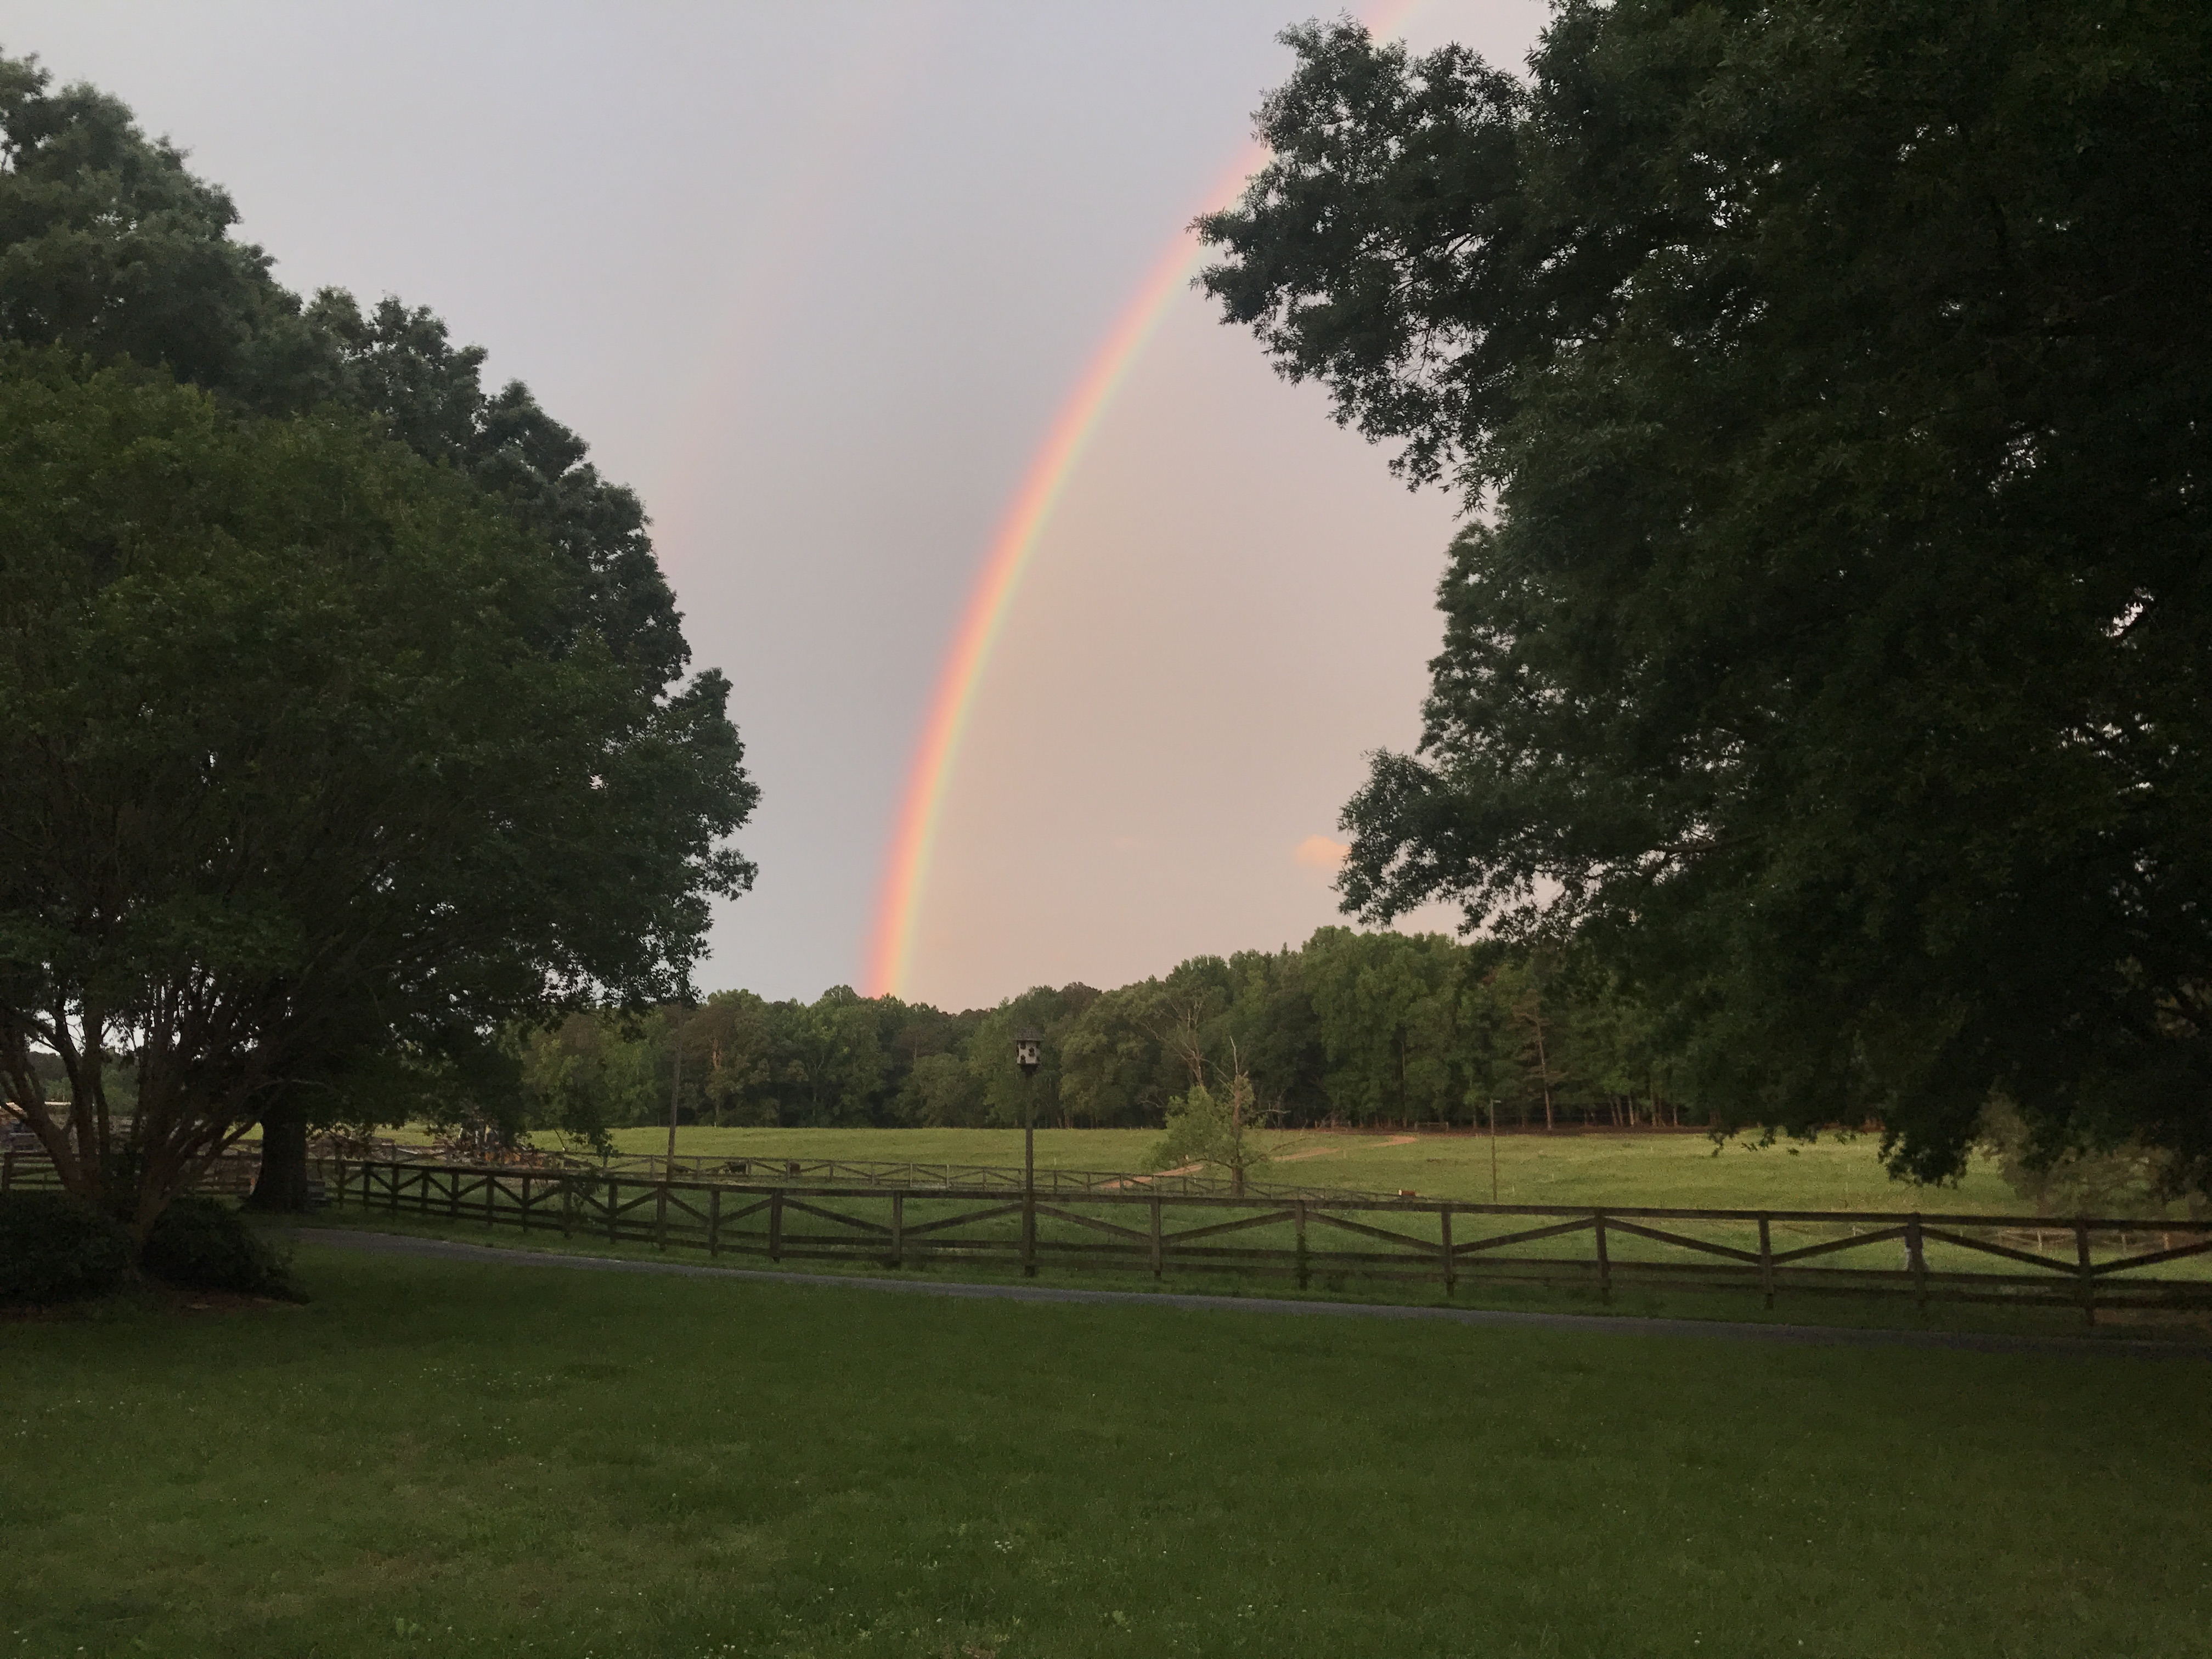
(1353, 1028)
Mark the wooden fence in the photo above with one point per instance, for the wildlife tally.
(906, 1174)
(2087, 1263)
(24, 1166)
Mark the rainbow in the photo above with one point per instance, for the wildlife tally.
(914, 836)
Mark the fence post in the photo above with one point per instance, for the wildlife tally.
(898, 1229)
(1305, 1264)
(452, 1194)
(1766, 1259)
(610, 1209)
(1604, 1262)
(7, 1169)
(2088, 1273)
(1159, 1254)
(339, 1202)
(1915, 1259)
(714, 1222)
(776, 1225)
(661, 1218)
(1029, 1232)
(1444, 1217)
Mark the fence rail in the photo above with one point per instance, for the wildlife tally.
(906, 1174)
(25, 1166)
(2087, 1263)
(24, 1162)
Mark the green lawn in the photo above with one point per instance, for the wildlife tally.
(1660, 1170)
(439, 1458)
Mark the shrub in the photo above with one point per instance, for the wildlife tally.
(202, 1244)
(54, 1247)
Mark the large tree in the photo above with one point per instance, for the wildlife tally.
(112, 250)
(1830, 386)
(297, 759)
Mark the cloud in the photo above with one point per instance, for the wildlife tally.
(1320, 853)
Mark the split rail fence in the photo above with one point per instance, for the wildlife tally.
(2089, 1263)
(24, 1167)
(870, 1172)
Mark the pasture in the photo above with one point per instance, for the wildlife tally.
(1667, 1170)
(454, 1459)
(1681, 1168)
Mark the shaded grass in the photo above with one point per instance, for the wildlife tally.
(453, 1459)
(1863, 1312)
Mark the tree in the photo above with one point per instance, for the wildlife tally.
(941, 1093)
(834, 1062)
(1213, 1129)
(297, 763)
(1009, 1098)
(1272, 1024)
(1828, 641)
(111, 249)
(733, 1038)
(1388, 1005)
(573, 1081)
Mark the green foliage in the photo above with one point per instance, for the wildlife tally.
(941, 1093)
(204, 1244)
(581, 1078)
(558, 634)
(1212, 1130)
(2127, 1180)
(1351, 1028)
(55, 1247)
(1827, 645)
(110, 247)
(294, 772)
(112, 250)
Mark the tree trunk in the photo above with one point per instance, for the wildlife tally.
(1544, 1071)
(282, 1180)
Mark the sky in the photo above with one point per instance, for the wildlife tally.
(1058, 626)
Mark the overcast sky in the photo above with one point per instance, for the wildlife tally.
(814, 279)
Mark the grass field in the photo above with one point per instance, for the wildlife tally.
(1664, 1169)
(436, 1458)
(1680, 1171)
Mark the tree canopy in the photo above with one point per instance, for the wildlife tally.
(111, 249)
(1350, 1028)
(343, 711)
(290, 769)
(1827, 640)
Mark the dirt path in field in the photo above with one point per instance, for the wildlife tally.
(1287, 1157)
(1146, 1179)
(1802, 1336)
(1340, 1151)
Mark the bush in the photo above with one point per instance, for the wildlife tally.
(201, 1244)
(54, 1247)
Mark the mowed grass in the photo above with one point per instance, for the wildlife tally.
(1685, 1170)
(449, 1459)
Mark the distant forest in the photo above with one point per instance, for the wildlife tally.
(1351, 1028)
